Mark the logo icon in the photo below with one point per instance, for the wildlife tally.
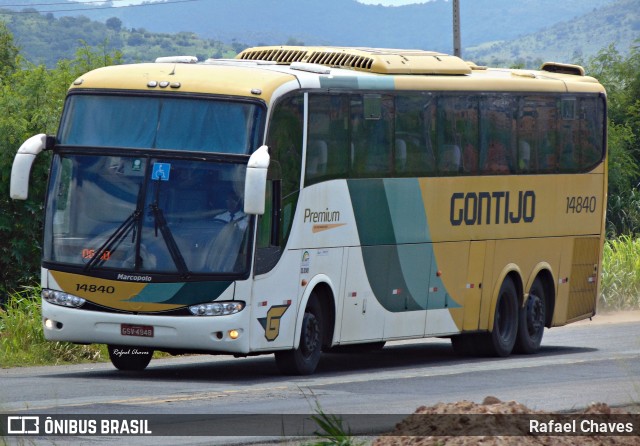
(271, 323)
(23, 425)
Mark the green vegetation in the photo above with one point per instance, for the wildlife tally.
(565, 41)
(35, 33)
(332, 430)
(31, 99)
(620, 288)
(621, 77)
(22, 340)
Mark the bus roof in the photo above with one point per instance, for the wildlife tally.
(259, 72)
(168, 77)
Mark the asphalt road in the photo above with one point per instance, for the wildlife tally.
(578, 364)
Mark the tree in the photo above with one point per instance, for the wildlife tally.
(114, 24)
(8, 52)
(620, 76)
(31, 99)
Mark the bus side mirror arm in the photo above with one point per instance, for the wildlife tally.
(21, 169)
(255, 185)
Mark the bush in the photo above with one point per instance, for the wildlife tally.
(22, 340)
(620, 288)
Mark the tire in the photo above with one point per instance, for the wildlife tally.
(304, 359)
(129, 358)
(501, 340)
(531, 320)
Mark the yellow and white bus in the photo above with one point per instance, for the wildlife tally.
(299, 199)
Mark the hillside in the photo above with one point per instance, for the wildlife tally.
(335, 22)
(44, 39)
(347, 22)
(570, 41)
(496, 32)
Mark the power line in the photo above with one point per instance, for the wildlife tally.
(94, 9)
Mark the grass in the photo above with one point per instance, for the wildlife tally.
(22, 341)
(620, 287)
(332, 430)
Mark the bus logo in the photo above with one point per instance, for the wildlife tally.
(499, 207)
(271, 323)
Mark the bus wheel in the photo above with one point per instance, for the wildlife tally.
(124, 357)
(532, 319)
(304, 359)
(501, 340)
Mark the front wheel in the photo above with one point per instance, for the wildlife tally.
(127, 358)
(304, 359)
(532, 319)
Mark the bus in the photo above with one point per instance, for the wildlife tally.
(300, 200)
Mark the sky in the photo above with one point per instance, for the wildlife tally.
(366, 2)
(391, 2)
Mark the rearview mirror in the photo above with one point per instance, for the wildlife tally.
(255, 185)
(21, 169)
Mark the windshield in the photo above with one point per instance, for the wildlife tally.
(157, 122)
(146, 214)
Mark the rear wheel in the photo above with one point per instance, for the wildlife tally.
(128, 358)
(304, 359)
(531, 320)
(501, 340)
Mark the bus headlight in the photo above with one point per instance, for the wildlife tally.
(216, 308)
(61, 298)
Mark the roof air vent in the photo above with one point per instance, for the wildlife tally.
(562, 68)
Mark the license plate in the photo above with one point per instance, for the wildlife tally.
(136, 330)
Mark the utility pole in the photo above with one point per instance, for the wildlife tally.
(457, 51)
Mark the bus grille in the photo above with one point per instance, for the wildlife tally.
(343, 60)
(283, 56)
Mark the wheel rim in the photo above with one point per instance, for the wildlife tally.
(535, 315)
(310, 336)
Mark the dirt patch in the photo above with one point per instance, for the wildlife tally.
(612, 317)
(494, 423)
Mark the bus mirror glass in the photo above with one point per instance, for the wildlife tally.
(255, 186)
(21, 169)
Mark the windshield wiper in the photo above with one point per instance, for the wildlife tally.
(111, 244)
(176, 255)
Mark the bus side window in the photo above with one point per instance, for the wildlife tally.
(413, 147)
(327, 141)
(497, 138)
(546, 120)
(467, 123)
(371, 138)
(590, 126)
(569, 161)
(457, 134)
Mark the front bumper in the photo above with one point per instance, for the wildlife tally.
(190, 333)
